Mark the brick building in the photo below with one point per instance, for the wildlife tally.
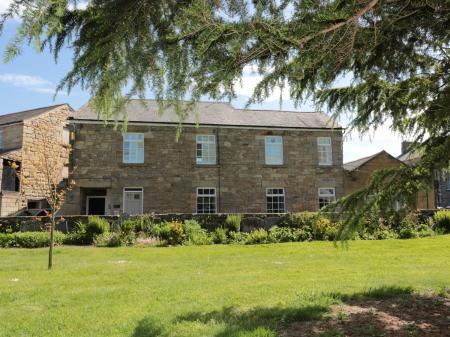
(233, 160)
(22, 184)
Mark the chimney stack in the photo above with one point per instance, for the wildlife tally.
(405, 146)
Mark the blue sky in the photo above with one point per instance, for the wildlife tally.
(29, 81)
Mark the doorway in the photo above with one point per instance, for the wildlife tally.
(133, 200)
(95, 205)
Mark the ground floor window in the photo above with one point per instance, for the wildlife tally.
(275, 200)
(326, 196)
(206, 200)
(133, 200)
(10, 176)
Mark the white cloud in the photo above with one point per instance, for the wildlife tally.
(250, 79)
(357, 146)
(32, 83)
(79, 5)
(4, 4)
(19, 80)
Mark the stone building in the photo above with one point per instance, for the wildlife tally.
(225, 160)
(441, 179)
(22, 182)
(357, 175)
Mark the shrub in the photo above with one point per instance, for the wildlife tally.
(303, 234)
(219, 235)
(408, 226)
(127, 226)
(96, 226)
(384, 234)
(320, 228)
(407, 233)
(424, 230)
(77, 238)
(29, 239)
(233, 222)
(257, 236)
(145, 224)
(171, 232)
(330, 232)
(442, 220)
(281, 234)
(195, 234)
(302, 219)
(109, 240)
(237, 237)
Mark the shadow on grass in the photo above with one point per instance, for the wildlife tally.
(150, 327)
(305, 315)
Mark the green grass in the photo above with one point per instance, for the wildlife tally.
(204, 290)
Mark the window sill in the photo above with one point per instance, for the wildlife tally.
(275, 166)
(132, 164)
(207, 165)
(325, 165)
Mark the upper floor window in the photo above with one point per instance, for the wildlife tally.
(206, 149)
(133, 148)
(275, 200)
(1, 138)
(448, 183)
(274, 150)
(325, 151)
(326, 196)
(206, 200)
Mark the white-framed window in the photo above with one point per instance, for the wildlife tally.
(65, 136)
(326, 196)
(273, 150)
(206, 200)
(133, 200)
(325, 150)
(1, 138)
(133, 148)
(275, 200)
(206, 150)
(65, 172)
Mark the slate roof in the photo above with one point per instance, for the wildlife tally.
(216, 113)
(20, 116)
(410, 157)
(353, 165)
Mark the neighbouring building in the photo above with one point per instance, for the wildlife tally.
(358, 173)
(441, 179)
(225, 160)
(22, 183)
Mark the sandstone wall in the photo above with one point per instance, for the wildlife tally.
(170, 176)
(359, 178)
(42, 143)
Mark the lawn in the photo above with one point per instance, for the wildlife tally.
(229, 290)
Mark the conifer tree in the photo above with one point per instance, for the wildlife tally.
(396, 51)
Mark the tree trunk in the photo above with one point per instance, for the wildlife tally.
(52, 239)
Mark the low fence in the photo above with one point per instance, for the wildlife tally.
(208, 221)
